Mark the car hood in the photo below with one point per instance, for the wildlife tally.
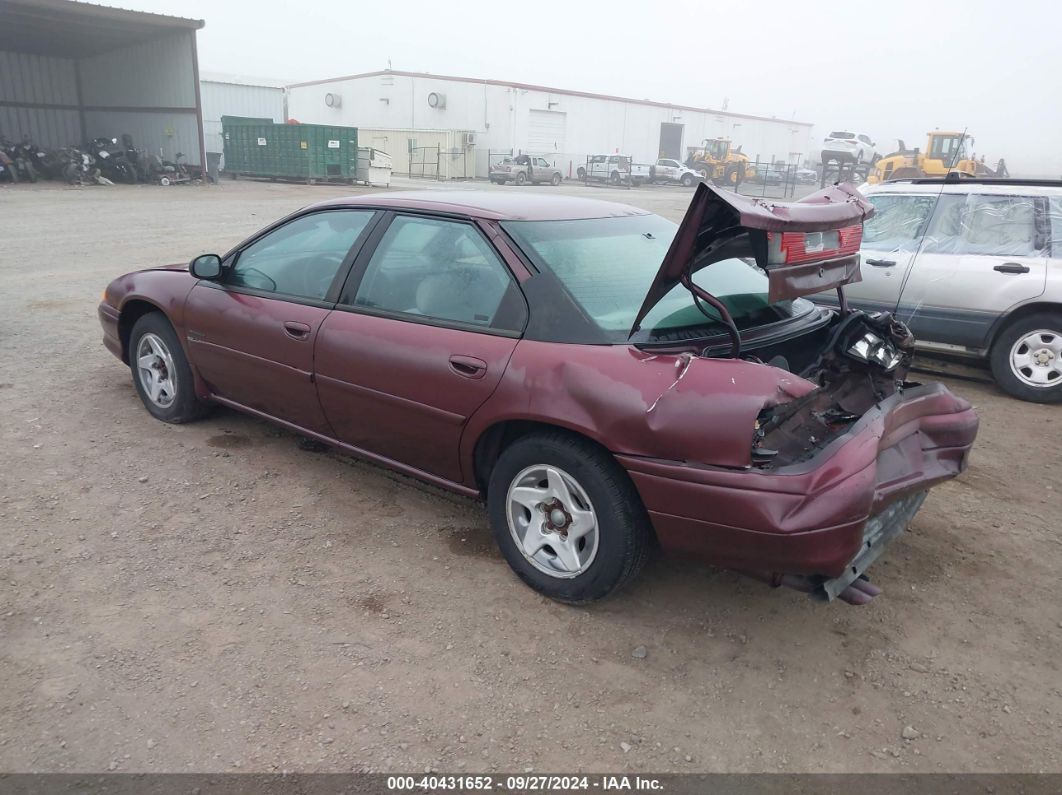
(721, 224)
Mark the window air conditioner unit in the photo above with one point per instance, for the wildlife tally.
(470, 139)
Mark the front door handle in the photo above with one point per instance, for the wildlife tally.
(468, 366)
(881, 263)
(297, 331)
(1011, 267)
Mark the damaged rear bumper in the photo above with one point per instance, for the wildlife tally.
(813, 517)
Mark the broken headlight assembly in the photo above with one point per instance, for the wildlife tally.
(872, 349)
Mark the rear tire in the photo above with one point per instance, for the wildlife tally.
(596, 491)
(615, 178)
(521, 178)
(1027, 364)
(161, 373)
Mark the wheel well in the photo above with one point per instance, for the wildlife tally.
(132, 312)
(497, 437)
(1019, 313)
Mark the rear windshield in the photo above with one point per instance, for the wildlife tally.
(608, 264)
(842, 135)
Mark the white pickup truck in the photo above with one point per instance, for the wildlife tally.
(668, 170)
(614, 169)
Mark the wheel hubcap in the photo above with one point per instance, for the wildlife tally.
(1036, 358)
(552, 521)
(154, 367)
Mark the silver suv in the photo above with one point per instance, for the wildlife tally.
(974, 267)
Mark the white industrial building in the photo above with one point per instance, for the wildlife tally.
(70, 72)
(237, 95)
(472, 120)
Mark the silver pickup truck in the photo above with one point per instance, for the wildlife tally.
(524, 169)
(614, 169)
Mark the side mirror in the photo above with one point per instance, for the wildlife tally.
(206, 266)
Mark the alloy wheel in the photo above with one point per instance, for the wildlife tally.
(1036, 358)
(552, 521)
(156, 371)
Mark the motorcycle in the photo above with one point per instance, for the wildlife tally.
(112, 160)
(21, 160)
(77, 167)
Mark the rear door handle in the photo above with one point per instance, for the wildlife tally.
(468, 366)
(1011, 267)
(297, 331)
(881, 263)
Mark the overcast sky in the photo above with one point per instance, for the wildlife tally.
(890, 68)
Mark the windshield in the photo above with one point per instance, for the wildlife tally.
(608, 264)
(718, 149)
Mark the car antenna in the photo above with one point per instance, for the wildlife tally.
(933, 211)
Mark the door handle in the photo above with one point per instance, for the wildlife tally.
(297, 331)
(1011, 267)
(468, 366)
(881, 263)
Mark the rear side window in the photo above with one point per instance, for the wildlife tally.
(1054, 212)
(441, 270)
(986, 225)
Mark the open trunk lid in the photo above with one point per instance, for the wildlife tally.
(805, 246)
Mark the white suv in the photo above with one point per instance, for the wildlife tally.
(974, 267)
(856, 147)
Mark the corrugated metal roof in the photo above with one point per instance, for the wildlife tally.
(564, 91)
(241, 80)
(69, 29)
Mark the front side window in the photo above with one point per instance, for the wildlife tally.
(302, 257)
(897, 223)
(441, 270)
(608, 264)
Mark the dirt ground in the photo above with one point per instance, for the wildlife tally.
(211, 597)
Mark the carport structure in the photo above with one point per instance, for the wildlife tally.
(71, 72)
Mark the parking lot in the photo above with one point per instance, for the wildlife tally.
(213, 597)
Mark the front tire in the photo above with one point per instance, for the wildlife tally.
(581, 173)
(556, 180)
(1026, 358)
(567, 517)
(687, 180)
(161, 372)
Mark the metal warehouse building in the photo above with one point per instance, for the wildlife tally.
(70, 72)
(236, 95)
(472, 119)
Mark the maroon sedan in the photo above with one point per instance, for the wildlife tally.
(605, 379)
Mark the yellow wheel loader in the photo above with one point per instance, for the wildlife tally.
(716, 161)
(945, 153)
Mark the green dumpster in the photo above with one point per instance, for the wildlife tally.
(309, 152)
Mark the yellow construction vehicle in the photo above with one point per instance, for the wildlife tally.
(945, 153)
(715, 160)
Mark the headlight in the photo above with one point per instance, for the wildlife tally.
(873, 349)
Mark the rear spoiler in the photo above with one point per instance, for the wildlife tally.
(805, 247)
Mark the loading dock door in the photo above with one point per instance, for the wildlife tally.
(671, 140)
(546, 131)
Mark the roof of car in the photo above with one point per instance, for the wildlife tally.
(1028, 187)
(501, 205)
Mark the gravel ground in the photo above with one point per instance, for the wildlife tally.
(211, 597)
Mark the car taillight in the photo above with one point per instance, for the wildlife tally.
(791, 248)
